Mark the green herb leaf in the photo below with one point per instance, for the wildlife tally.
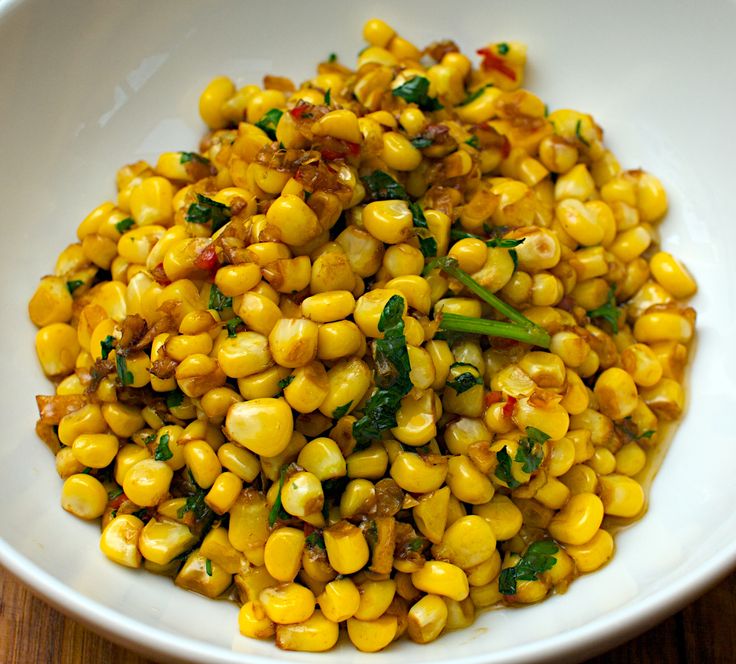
(417, 90)
(269, 122)
(503, 469)
(502, 48)
(538, 558)
(147, 440)
(382, 187)
(106, 346)
(647, 434)
(125, 376)
(391, 376)
(218, 301)
(328, 97)
(427, 241)
(73, 285)
(473, 142)
(609, 311)
(87, 471)
(114, 493)
(417, 544)
(124, 225)
(341, 410)
(206, 210)
(208, 566)
(194, 504)
(579, 135)
(475, 94)
(546, 111)
(277, 510)
(332, 57)
(504, 243)
(232, 326)
(464, 382)
(421, 142)
(285, 382)
(174, 399)
(163, 453)
(316, 539)
(530, 452)
(193, 156)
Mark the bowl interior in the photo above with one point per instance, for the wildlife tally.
(88, 87)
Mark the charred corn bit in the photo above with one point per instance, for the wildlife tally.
(392, 347)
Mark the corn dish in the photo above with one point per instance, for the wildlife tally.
(399, 344)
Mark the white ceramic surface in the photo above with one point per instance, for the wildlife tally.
(86, 87)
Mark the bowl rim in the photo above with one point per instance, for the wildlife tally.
(604, 632)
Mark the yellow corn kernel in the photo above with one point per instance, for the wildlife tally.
(641, 363)
(347, 549)
(416, 419)
(339, 600)
(552, 418)
(485, 572)
(233, 280)
(84, 496)
(248, 528)
(466, 482)
(119, 540)
(218, 549)
(258, 312)
(203, 577)
(357, 498)
(283, 554)
(162, 541)
(466, 543)
(87, 419)
(253, 621)
(147, 482)
(663, 326)
(263, 426)
(631, 243)
(290, 220)
(375, 598)
(592, 555)
(430, 515)
(481, 108)
(557, 154)
(218, 91)
(570, 347)
(51, 303)
(389, 221)
(239, 461)
(630, 459)
(370, 306)
(57, 348)
(370, 463)
(579, 222)
(66, 463)
(398, 152)
(323, 458)
(579, 520)
(417, 473)
(441, 578)
(151, 203)
(502, 515)
(621, 496)
(364, 252)
(339, 339)
(262, 102)
(672, 275)
(348, 381)
(552, 494)
(302, 495)
(245, 354)
(427, 618)
(403, 259)
(575, 183)
(603, 461)
(287, 603)
(308, 387)
(293, 341)
(224, 492)
(95, 450)
(181, 346)
(616, 393)
(372, 635)
(315, 634)
(470, 253)
(328, 306)
(122, 419)
(127, 457)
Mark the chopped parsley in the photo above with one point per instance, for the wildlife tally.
(124, 225)
(163, 453)
(114, 493)
(106, 346)
(421, 142)
(332, 57)
(232, 326)
(126, 377)
(473, 142)
(269, 122)
(539, 557)
(148, 439)
(328, 97)
(464, 381)
(391, 376)
(341, 410)
(416, 90)
(382, 187)
(205, 210)
(277, 511)
(427, 242)
(475, 94)
(608, 311)
(417, 544)
(174, 399)
(502, 48)
(315, 539)
(504, 243)
(579, 135)
(192, 156)
(73, 285)
(503, 469)
(194, 504)
(87, 471)
(208, 566)
(218, 301)
(530, 452)
(285, 382)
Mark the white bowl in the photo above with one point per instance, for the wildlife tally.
(89, 86)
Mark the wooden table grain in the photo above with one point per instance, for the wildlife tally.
(31, 632)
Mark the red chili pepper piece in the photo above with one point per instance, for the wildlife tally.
(493, 397)
(508, 407)
(207, 260)
(493, 61)
(159, 275)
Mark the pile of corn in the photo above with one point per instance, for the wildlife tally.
(214, 340)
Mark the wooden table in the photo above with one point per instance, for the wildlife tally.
(33, 633)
